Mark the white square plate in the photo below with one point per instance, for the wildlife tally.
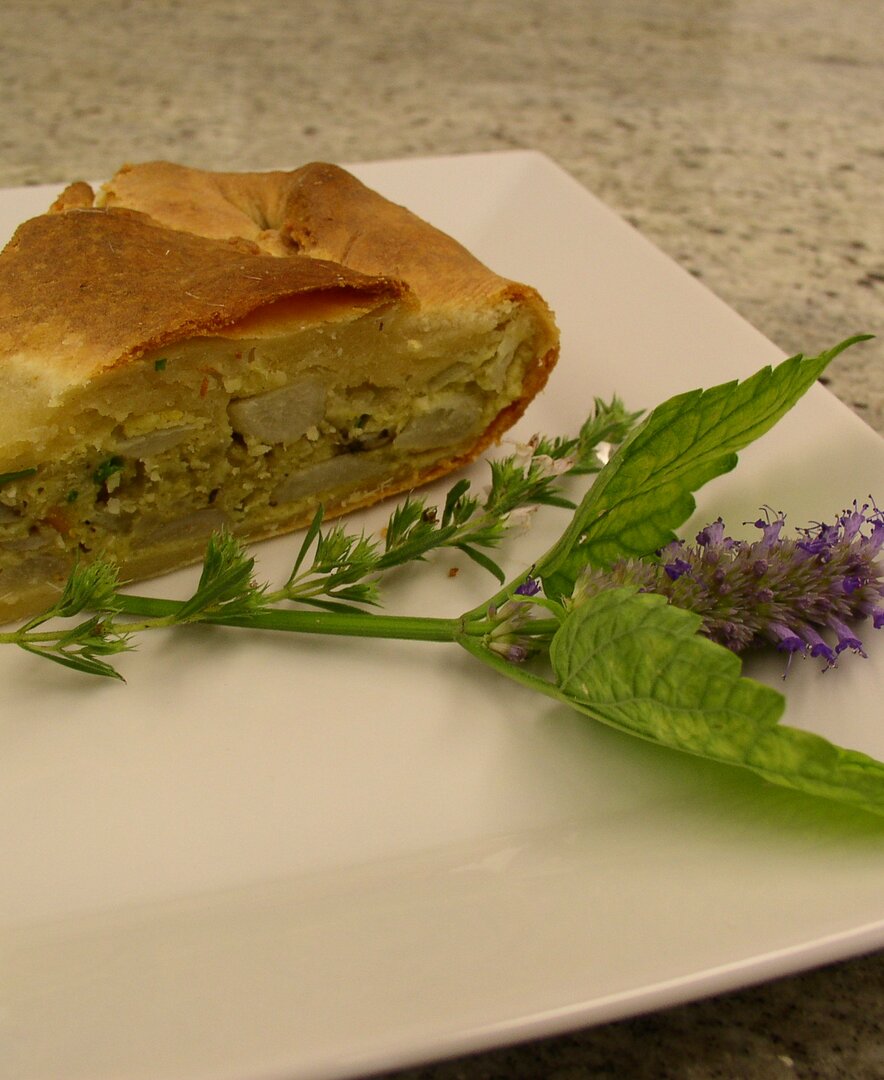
(270, 856)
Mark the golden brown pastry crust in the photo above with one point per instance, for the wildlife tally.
(320, 210)
(87, 289)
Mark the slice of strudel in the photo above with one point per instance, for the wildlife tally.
(185, 352)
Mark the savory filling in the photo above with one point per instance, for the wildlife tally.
(249, 432)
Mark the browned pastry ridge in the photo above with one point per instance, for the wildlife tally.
(190, 351)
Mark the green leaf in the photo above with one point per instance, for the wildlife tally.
(636, 663)
(454, 503)
(85, 662)
(225, 581)
(330, 605)
(483, 560)
(609, 423)
(405, 519)
(646, 489)
(91, 586)
(309, 537)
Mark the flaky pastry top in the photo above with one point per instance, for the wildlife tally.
(320, 210)
(84, 289)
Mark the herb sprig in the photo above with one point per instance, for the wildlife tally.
(605, 645)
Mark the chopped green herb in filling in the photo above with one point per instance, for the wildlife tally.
(8, 478)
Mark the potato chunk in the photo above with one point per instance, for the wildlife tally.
(280, 416)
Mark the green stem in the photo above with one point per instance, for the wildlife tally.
(534, 628)
(346, 624)
(517, 672)
(14, 637)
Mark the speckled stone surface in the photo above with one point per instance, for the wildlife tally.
(745, 137)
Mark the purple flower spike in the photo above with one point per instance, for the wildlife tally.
(788, 592)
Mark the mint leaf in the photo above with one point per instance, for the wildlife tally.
(646, 490)
(636, 663)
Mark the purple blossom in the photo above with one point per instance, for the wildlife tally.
(851, 522)
(786, 640)
(515, 652)
(818, 646)
(770, 530)
(802, 595)
(872, 544)
(505, 636)
(529, 587)
(676, 568)
(846, 638)
(712, 535)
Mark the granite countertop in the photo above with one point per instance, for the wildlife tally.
(743, 137)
